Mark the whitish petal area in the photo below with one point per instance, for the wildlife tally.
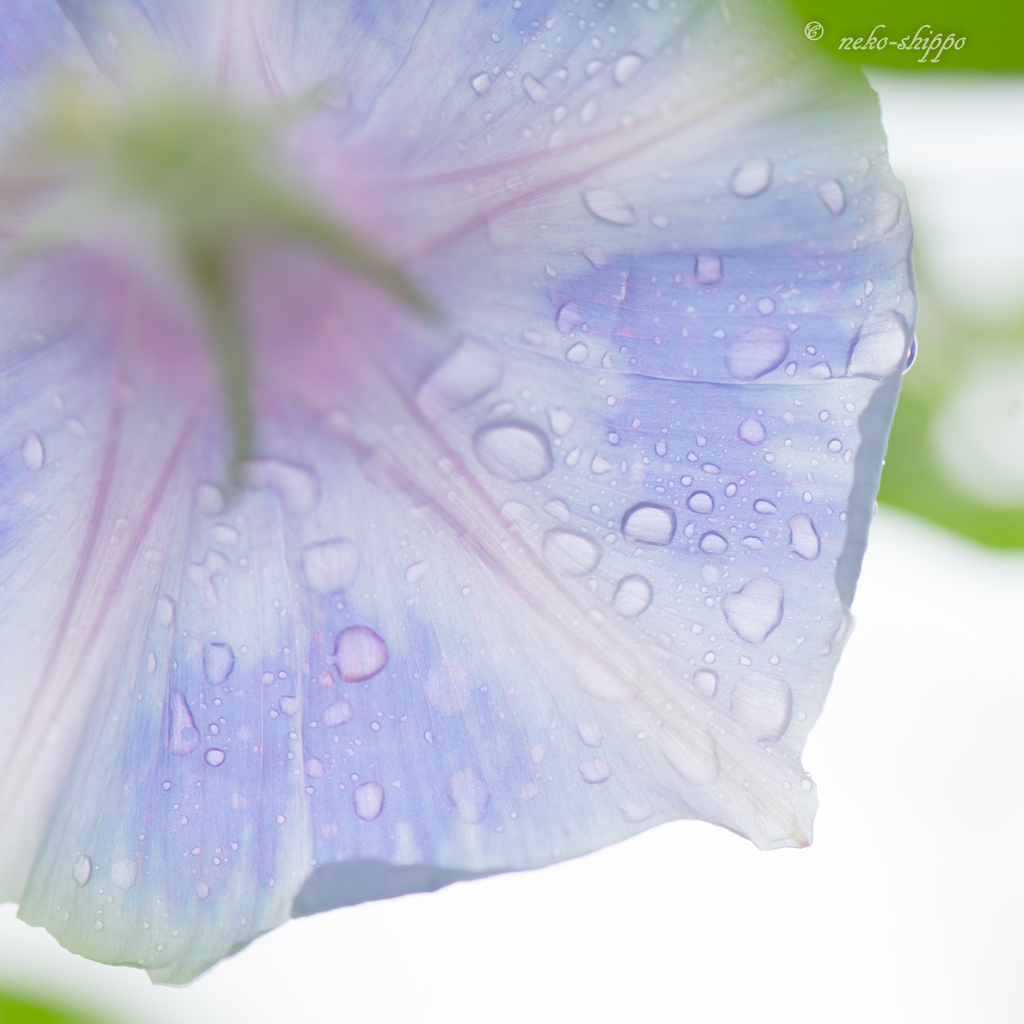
(496, 593)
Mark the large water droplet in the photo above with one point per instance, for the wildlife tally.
(633, 596)
(752, 177)
(184, 736)
(330, 565)
(756, 352)
(764, 507)
(594, 771)
(359, 654)
(81, 870)
(297, 486)
(513, 451)
(616, 683)
(590, 732)
(33, 454)
(537, 92)
(701, 502)
(649, 524)
(470, 795)
(609, 205)
(832, 196)
(707, 269)
(714, 544)
(337, 714)
(568, 318)
(218, 662)
(752, 431)
(879, 347)
(765, 305)
(803, 538)
(754, 610)
(368, 798)
(626, 67)
(215, 757)
(570, 553)
(694, 756)
(761, 705)
(706, 682)
(468, 374)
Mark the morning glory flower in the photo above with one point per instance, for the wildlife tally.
(437, 440)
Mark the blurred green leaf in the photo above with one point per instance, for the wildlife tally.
(18, 1010)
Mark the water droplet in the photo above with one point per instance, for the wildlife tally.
(289, 705)
(752, 431)
(337, 714)
(561, 421)
(568, 317)
(912, 354)
(887, 212)
(330, 566)
(633, 596)
(210, 499)
(609, 205)
(81, 870)
(754, 543)
(297, 486)
(470, 796)
(164, 611)
(537, 754)
(570, 553)
(202, 890)
(730, 490)
(820, 371)
(537, 92)
(761, 705)
(151, 663)
(707, 269)
(368, 798)
(513, 451)
(314, 767)
(706, 681)
(832, 196)
(590, 732)
(752, 177)
(754, 610)
(359, 653)
(469, 373)
(481, 83)
(879, 347)
(660, 448)
(590, 110)
(558, 508)
(599, 464)
(605, 682)
(224, 535)
(632, 811)
(765, 306)
(33, 454)
(184, 737)
(98, 926)
(595, 67)
(701, 502)
(756, 352)
(218, 662)
(578, 353)
(215, 757)
(626, 67)
(835, 445)
(649, 524)
(805, 785)
(714, 544)
(594, 771)
(803, 538)
(693, 756)
(764, 507)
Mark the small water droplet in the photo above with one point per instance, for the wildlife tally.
(835, 445)
(337, 714)
(707, 269)
(164, 611)
(210, 499)
(330, 565)
(214, 757)
(912, 354)
(368, 798)
(578, 353)
(693, 756)
(752, 177)
(314, 767)
(887, 212)
(730, 490)
(832, 196)
(297, 486)
(537, 754)
(359, 653)
(626, 67)
(570, 553)
(761, 705)
(805, 785)
(151, 663)
(756, 352)
(609, 205)
(615, 684)
(880, 346)
(590, 732)
(569, 317)
(820, 371)
(595, 67)
(202, 890)
(754, 610)
(633, 596)
(513, 451)
(803, 538)
(184, 736)
(590, 110)
(765, 306)
(594, 771)
(470, 795)
(33, 454)
(661, 448)
(415, 572)
(481, 83)
(289, 705)
(701, 502)
(764, 507)
(81, 870)
(537, 92)
(706, 681)
(561, 421)
(470, 372)
(754, 543)
(752, 431)
(218, 662)
(713, 544)
(649, 524)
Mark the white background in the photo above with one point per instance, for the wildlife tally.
(910, 904)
